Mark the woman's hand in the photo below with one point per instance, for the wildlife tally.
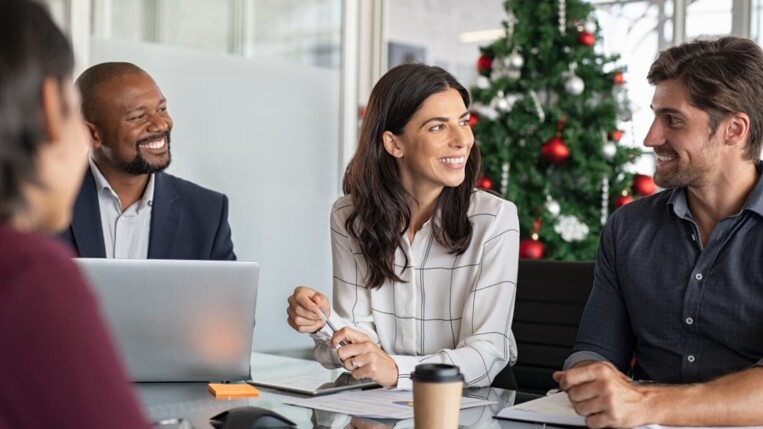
(364, 358)
(303, 308)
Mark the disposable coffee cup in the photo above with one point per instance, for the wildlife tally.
(436, 396)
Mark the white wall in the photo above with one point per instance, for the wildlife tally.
(266, 135)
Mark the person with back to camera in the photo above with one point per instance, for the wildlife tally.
(425, 266)
(58, 365)
(678, 281)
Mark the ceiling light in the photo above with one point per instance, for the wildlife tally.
(481, 36)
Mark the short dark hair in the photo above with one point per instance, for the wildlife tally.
(32, 49)
(381, 215)
(89, 81)
(722, 76)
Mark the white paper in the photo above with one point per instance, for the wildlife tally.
(553, 409)
(374, 404)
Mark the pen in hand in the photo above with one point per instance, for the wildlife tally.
(331, 326)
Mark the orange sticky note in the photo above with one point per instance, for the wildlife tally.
(225, 391)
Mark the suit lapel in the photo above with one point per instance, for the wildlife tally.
(86, 221)
(165, 219)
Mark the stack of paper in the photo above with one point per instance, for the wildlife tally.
(374, 404)
(553, 409)
(557, 409)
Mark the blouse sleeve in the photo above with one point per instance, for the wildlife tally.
(350, 292)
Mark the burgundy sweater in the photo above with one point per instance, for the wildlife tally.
(58, 366)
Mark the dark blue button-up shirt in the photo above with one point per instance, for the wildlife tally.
(687, 313)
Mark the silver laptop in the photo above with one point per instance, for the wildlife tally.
(178, 320)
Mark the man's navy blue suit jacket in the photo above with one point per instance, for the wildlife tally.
(187, 222)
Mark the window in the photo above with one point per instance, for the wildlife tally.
(305, 32)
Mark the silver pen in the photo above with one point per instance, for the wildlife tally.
(331, 326)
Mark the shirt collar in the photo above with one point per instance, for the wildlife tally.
(102, 184)
(680, 206)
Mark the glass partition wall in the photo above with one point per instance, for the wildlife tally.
(297, 31)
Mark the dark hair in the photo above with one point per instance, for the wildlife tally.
(32, 49)
(89, 81)
(381, 214)
(722, 76)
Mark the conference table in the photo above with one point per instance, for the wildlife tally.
(191, 402)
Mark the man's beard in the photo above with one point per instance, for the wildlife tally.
(139, 165)
(695, 175)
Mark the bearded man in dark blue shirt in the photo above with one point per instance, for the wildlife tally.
(679, 278)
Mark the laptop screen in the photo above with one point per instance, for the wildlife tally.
(178, 320)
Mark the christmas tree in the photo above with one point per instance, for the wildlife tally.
(547, 116)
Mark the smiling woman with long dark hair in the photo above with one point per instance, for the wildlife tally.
(425, 266)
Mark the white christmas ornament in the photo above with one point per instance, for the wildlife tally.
(571, 228)
(514, 60)
(500, 103)
(609, 150)
(483, 82)
(574, 85)
(486, 111)
(590, 26)
(553, 207)
(504, 103)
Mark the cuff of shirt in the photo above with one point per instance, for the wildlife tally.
(405, 366)
(323, 335)
(759, 363)
(578, 357)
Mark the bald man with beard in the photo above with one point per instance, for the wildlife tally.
(128, 206)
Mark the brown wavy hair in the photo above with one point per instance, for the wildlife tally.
(381, 214)
(722, 76)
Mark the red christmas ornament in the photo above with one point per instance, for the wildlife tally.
(616, 135)
(484, 182)
(554, 150)
(618, 78)
(531, 249)
(484, 64)
(622, 200)
(473, 119)
(644, 185)
(586, 39)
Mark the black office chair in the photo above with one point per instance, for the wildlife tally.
(551, 296)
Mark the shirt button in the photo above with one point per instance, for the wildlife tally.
(690, 358)
(689, 320)
(698, 276)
